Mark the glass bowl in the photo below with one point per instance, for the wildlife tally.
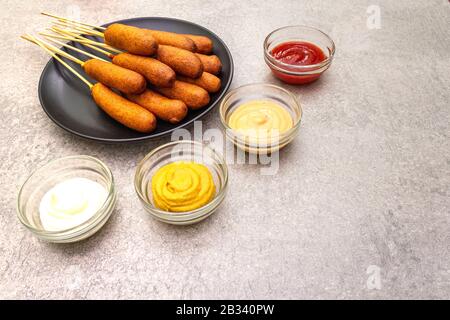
(260, 91)
(56, 171)
(298, 74)
(183, 150)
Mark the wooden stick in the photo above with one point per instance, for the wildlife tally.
(95, 43)
(84, 30)
(65, 29)
(60, 52)
(79, 28)
(106, 53)
(67, 35)
(65, 19)
(36, 41)
(83, 42)
(75, 49)
(58, 36)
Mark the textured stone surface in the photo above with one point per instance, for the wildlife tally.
(366, 182)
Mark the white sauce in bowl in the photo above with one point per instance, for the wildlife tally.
(70, 203)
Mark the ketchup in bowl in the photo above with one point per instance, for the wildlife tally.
(298, 53)
(298, 61)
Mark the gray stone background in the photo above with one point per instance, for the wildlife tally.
(366, 182)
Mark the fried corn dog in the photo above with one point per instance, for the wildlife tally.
(193, 96)
(166, 109)
(132, 39)
(182, 61)
(115, 76)
(174, 40)
(156, 72)
(120, 109)
(211, 64)
(204, 44)
(207, 81)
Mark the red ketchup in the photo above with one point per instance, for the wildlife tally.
(297, 53)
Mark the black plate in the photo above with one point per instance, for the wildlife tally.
(67, 100)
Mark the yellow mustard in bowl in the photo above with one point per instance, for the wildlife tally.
(260, 119)
(182, 186)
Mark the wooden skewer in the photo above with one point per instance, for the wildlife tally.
(75, 49)
(86, 44)
(69, 27)
(58, 51)
(65, 29)
(86, 40)
(67, 35)
(65, 19)
(83, 41)
(80, 29)
(36, 41)
(58, 36)
(106, 53)
(84, 30)
(95, 43)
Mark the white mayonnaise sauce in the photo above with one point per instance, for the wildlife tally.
(70, 203)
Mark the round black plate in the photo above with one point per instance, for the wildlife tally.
(67, 100)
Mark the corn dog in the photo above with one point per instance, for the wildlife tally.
(207, 81)
(193, 96)
(174, 40)
(114, 76)
(132, 39)
(211, 63)
(156, 72)
(182, 61)
(164, 108)
(120, 109)
(204, 44)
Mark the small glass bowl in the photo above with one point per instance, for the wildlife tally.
(56, 171)
(298, 74)
(183, 150)
(260, 91)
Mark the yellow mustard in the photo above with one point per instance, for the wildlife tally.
(182, 186)
(260, 119)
